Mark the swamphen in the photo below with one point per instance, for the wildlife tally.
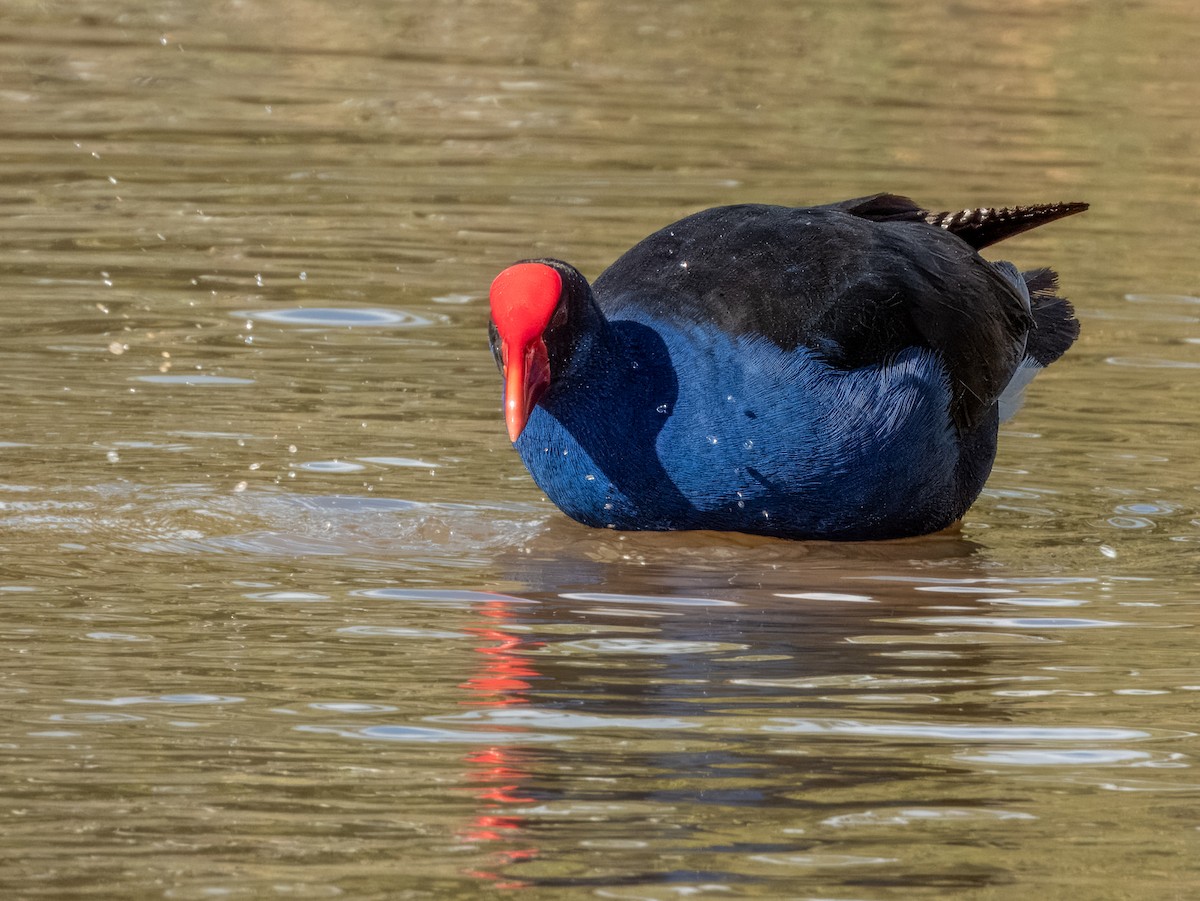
(832, 372)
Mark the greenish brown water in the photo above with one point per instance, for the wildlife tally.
(283, 616)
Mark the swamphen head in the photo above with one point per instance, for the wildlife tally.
(538, 308)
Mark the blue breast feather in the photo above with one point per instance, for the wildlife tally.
(669, 426)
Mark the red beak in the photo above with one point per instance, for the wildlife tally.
(526, 378)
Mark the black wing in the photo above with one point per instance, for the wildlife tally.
(856, 283)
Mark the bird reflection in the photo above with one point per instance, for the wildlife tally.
(702, 672)
(496, 772)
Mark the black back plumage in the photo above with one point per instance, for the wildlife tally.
(855, 282)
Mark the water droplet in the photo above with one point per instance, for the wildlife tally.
(113, 457)
(741, 505)
(712, 439)
(661, 408)
(589, 477)
(747, 444)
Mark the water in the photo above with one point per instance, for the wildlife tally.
(283, 614)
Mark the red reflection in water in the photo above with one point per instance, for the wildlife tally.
(497, 771)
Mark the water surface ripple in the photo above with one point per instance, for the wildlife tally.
(284, 617)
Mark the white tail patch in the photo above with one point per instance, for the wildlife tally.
(1013, 394)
